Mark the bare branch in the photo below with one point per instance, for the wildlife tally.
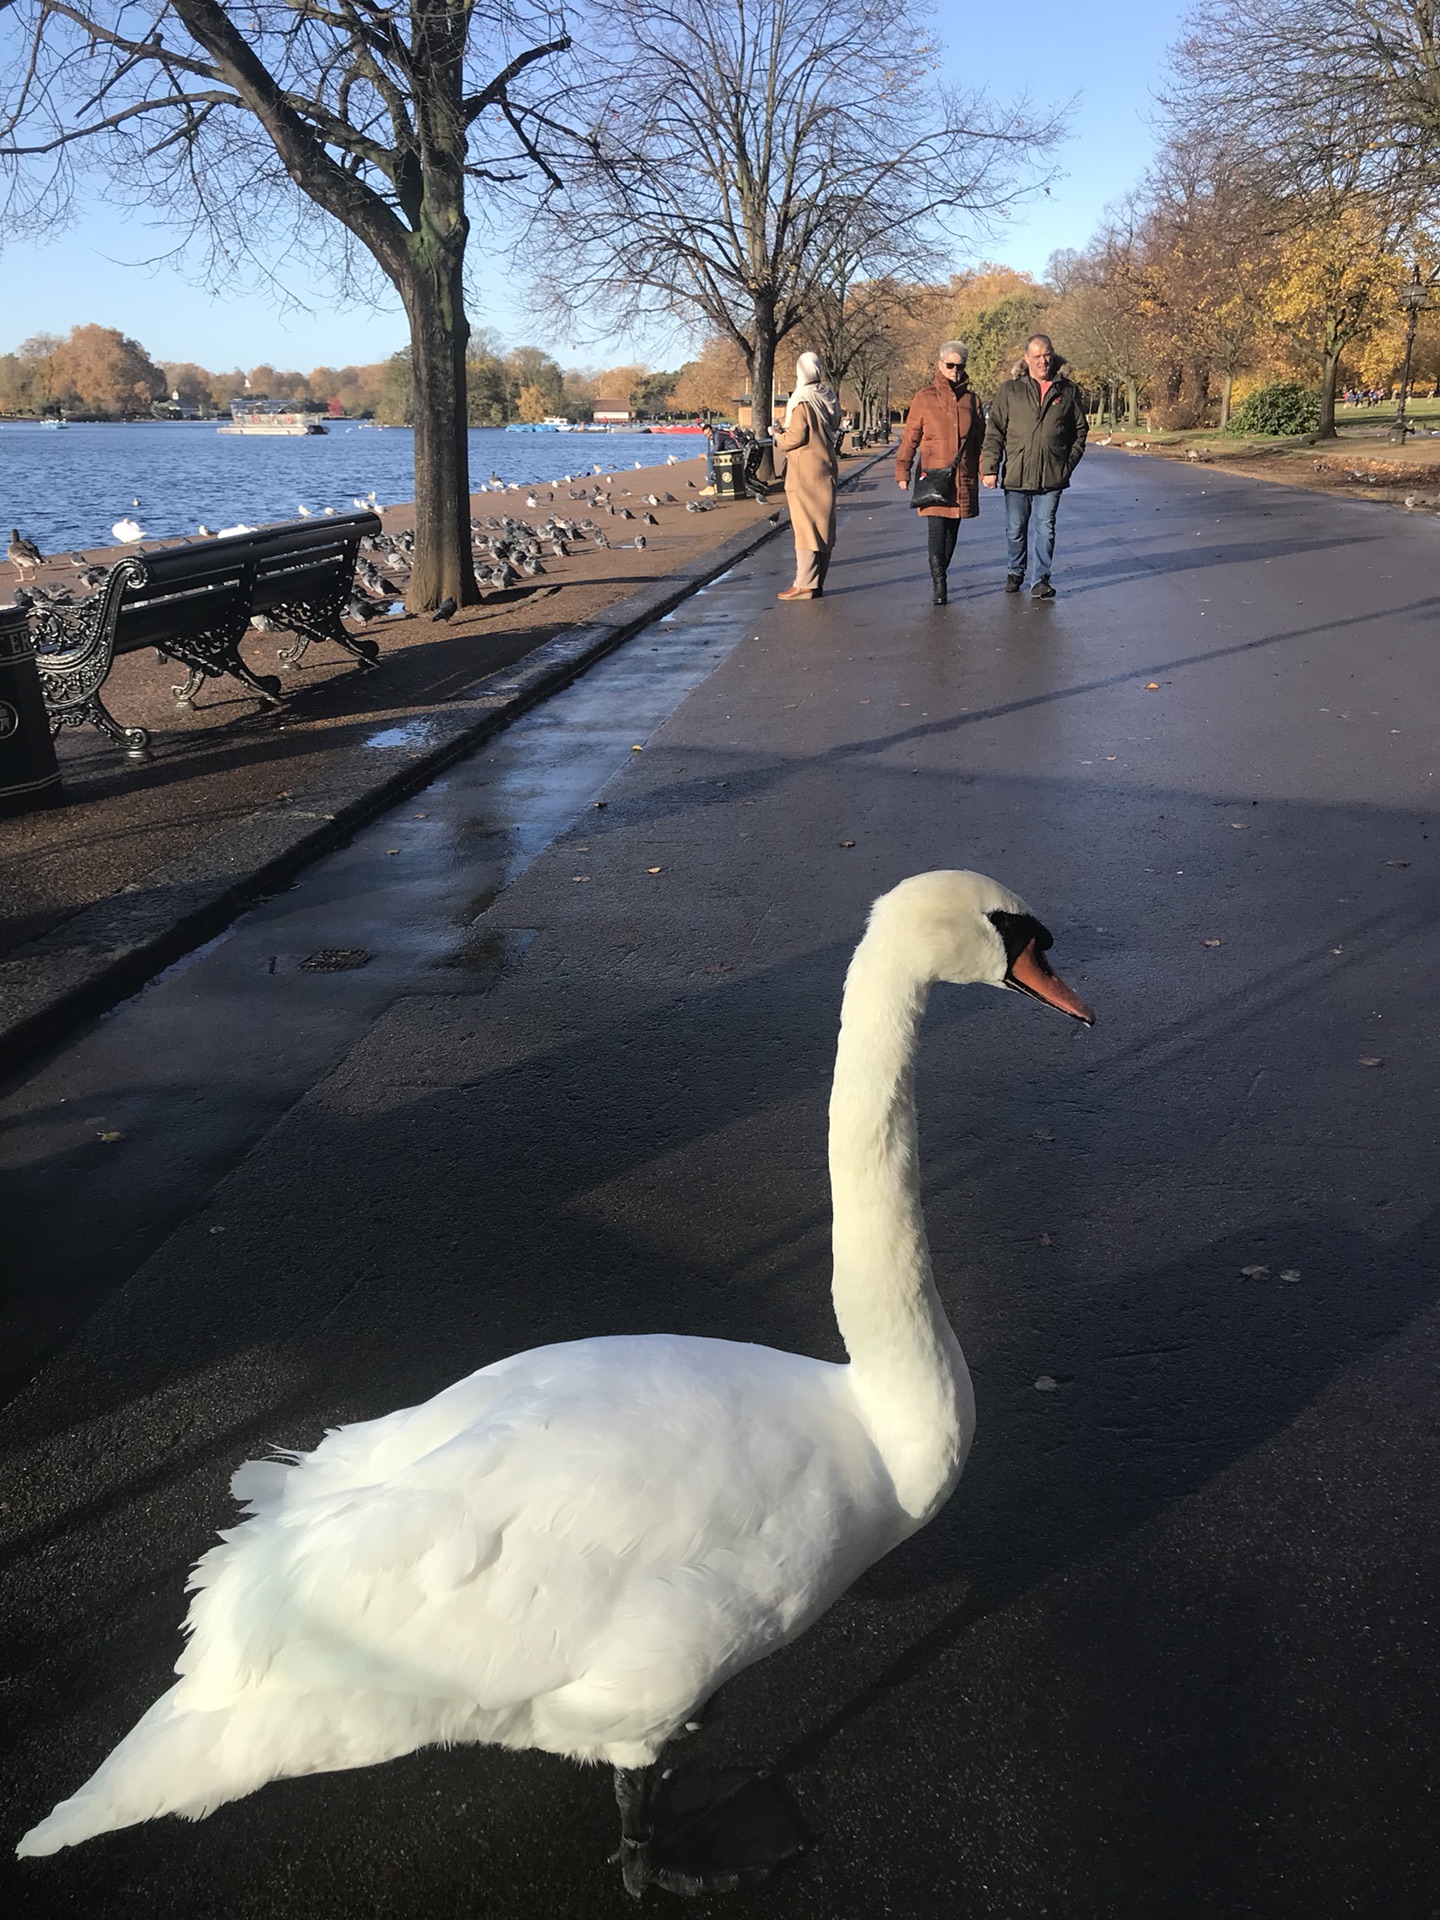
(119, 119)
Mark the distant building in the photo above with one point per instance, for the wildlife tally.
(613, 413)
(174, 409)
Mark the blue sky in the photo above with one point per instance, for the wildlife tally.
(1107, 54)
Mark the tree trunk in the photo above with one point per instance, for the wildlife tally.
(762, 380)
(1132, 403)
(439, 334)
(1329, 369)
(1227, 385)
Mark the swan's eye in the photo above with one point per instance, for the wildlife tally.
(1018, 930)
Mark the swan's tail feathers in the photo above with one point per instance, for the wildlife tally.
(171, 1761)
(180, 1759)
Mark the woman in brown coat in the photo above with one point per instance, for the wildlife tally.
(945, 427)
(809, 442)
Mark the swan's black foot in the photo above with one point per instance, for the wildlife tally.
(693, 1834)
(640, 1871)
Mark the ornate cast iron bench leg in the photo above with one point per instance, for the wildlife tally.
(73, 657)
(320, 620)
(208, 653)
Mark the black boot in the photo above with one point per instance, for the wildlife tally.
(937, 581)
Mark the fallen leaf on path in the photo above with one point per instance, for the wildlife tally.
(1372, 1060)
(113, 1134)
(599, 805)
(1152, 686)
(392, 849)
(1212, 943)
(1046, 1383)
(1045, 1241)
(1043, 1133)
(637, 749)
(580, 879)
(1240, 826)
(1289, 1273)
(654, 869)
(1255, 1273)
(846, 843)
(1397, 863)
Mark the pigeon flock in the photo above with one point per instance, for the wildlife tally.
(507, 550)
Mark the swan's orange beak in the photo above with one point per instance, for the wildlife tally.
(1030, 972)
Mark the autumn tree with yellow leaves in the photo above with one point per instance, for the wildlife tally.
(1336, 282)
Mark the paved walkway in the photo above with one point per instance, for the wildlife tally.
(1170, 1650)
(218, 764)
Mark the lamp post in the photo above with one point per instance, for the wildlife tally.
(1412, 298)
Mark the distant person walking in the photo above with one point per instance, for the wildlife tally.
(944, 427)
(1033, 443)
(810, 442)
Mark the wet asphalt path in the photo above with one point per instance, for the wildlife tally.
(1170, 1650)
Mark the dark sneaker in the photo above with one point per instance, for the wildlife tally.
(1013, 583)
(1042, 590)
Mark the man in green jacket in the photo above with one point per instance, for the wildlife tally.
(1035, 436)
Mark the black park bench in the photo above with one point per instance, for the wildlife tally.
(194, 603)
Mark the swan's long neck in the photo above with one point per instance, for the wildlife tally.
(906, 1368)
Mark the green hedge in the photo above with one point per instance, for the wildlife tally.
(1284, 408)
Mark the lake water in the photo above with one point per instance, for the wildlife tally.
(67, 489)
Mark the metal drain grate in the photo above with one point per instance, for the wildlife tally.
(337, 960)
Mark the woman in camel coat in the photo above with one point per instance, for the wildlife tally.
(810, 442)
(946, 428)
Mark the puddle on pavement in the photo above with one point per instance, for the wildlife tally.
(181, 1080)
(413, 734)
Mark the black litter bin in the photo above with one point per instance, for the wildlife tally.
(729, 473)
(29, 777)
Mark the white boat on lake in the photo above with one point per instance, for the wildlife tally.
(272, 417)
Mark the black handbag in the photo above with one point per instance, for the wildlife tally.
(934, 486)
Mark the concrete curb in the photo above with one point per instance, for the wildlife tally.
(109, 950)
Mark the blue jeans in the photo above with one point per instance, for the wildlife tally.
(1019, 509)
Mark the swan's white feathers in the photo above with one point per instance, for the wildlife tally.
(509, 1559)
(529, 1558)
(573, 1548)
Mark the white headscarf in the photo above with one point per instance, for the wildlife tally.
(811, 391)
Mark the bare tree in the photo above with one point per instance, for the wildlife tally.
(1209, 235)
(1349, 89)
(1335, 117)
(1105, 319)
(357, 128)
(743, 159)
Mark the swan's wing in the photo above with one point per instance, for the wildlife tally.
(610, 1506)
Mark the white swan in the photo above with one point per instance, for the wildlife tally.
(128, 531)
(573, 1548)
